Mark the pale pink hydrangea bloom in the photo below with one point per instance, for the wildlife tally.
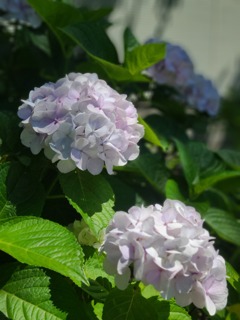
(21, 11)
(167, 246)
(81, 122)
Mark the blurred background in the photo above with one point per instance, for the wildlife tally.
(208, 30)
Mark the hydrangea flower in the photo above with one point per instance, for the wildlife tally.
(21, 11)
(81, 122)
(202, 95)
(175, 70)
(167, 246)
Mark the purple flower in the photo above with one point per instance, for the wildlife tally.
(175, 70)
(202, 95)
(167, 246)
(81, 122)
(21, 11)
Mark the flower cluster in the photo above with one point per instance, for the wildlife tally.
(21, 11)
(177, 70)
(81, 122)
(202, 95)
(167, 246)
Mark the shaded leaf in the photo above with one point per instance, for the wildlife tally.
(89, 32)
(65, 296)
(231, 157)
(206, 183)
(224, 224)
(98, 289)
(87, 193)
(152, 167)
(9, 132)
(24, 190)
(129, 304)
(130, 42)
(91, 36)
(190, 167)
(7, 209)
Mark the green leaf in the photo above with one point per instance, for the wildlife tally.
(24, 190)
(172, 191)
(130, 42)
(98, 289)
(26, 295)
(144, 56)
(98, 310)
(91, 36)
(224, 224)
(202, 167)
(41, 42)
(129, 304)
(9, 133)
(94, 268)
(92, 197)
(233, 277)
(119, 73)
(190, 167)
(206, 183)
(152, 136)
(43, 243)
(50, 12)
(85, 35)
(65, 296)
(100, 220)
(87, 193)
(152, 167)
(231, 157)
(7, 209)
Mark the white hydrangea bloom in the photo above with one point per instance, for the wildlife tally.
(81, 122)
(167, 246)
(21, 11)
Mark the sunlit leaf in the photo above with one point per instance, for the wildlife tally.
(43, 243)
(233, 277)
(152, 136)
(144, 56)
(26, 295)
(172, 191)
